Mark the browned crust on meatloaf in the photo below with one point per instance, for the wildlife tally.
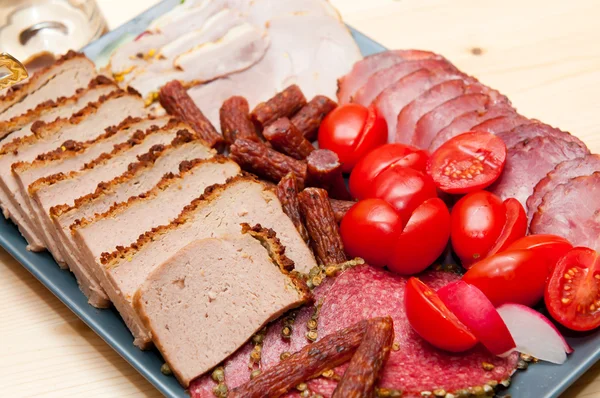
(110, 260)
(166, 181)
(146, 161)
(34, 113)
(12, 92)
(268, 238)
(136, 139)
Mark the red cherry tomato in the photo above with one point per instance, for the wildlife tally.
(370, 229)
(423, 239)
(476, 223)
(517, 276)
(405, 189)
(514, 228)
(351, 131)
(552, 247)
(572, 294)
(381, 158)
(433, 321)
(468, 162)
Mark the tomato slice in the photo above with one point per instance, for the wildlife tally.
(423, 239)
(351, 131)
(573, 293)
(405, 189)
(552, 247)
(370, 229)
(514, 228)
(433, 321)
(517, 276)
(378, 160)
(468, 162)
(477, 221)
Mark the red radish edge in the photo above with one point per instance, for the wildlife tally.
(479, 315)
(535, 334)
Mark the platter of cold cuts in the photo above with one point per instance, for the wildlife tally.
(247, 199)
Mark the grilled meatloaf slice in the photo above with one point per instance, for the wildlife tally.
(85, 125)
(61, 79)
(20, 126)
(217, 213)
(218, 292)
(126, 221)
(73, 156)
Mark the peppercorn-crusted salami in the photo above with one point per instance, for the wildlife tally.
(571, 210)
(286, 138)
(502, 123)
(283, 104)
(529, 161)
(287, 192)
(324, 170)
(537, 129)
(309, 118)
(235, 120)
(560, 175)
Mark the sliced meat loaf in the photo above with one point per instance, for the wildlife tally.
(364, 69)
(206, 320)
(502, 123)
(536, 129)
(402, 92)
(561, 174)
(61, 79)
(20, 126)
(571, 210)
(380, 80)
(125, 222)
(73, 156)
(218, 212)
(529, 161)
(139, 178)
(467, 121)
(85, 125)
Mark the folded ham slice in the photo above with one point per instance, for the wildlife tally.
(502, 123)
(537, 129)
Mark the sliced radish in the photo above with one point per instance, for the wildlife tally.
(534, 333)
(478, 314)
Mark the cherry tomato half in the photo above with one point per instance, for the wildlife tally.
(433, 321)
(573, 293)
(477, 221)
(381, 158)
(515, 226)
(423, 239)
(351, 131)
(405, 189)
(468, 162)
(517, 276)
(370, 229)
(550, 246)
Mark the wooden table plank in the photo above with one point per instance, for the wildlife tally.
(543, 54)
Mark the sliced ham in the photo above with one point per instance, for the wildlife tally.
(467, 121)
(380, 80)
(571, 210)
(537, 129)
(402, 92)
(529, 161)
(502, 123)
(561, 174)
(362, 71)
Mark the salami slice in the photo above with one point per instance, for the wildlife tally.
(395, 97)
(380, 80)
(502, 123)
(571, 210)
(362, 70)
(529, 161)
(537, 129)
(467, 121)
(560, 175)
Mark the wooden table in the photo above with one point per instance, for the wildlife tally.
(544, 54)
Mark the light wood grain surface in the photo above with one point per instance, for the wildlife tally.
(543, 54)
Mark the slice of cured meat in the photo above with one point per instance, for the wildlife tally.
(380, 80)
(560, 175)
(572, 210)
(502, 123)
(529, 161)
(394, 98)
(537, 129)
(362, 70)
(467, 121)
